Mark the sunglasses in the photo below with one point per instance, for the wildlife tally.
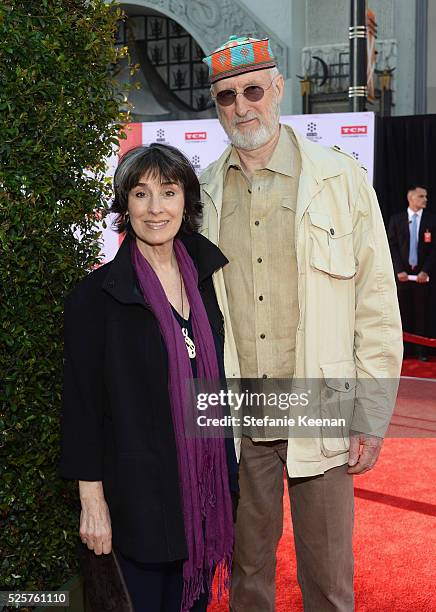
(253, 93)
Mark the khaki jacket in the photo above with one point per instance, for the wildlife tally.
(349, 335)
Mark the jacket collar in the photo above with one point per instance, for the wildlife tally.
(121, 283)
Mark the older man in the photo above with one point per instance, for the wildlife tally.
(309, 293)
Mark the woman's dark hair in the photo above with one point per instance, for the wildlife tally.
(168, 164)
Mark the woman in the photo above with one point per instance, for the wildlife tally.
(136, 330)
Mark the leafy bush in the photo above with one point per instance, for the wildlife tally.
(59, 115)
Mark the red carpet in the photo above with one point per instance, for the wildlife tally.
(423, 369)
(394, 537)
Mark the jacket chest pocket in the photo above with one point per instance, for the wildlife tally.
(331, 248)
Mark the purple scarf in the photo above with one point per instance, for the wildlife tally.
(202, 463)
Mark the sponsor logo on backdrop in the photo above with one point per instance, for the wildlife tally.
(354, 130)
(160, 136)
(312, 132)
(195, 136)
(195, 161)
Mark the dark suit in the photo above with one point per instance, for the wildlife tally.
(413, 297)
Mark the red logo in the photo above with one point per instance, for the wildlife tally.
(354, 130)
(195, 135)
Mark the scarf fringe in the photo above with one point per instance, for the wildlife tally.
(192, 589)
(194, 586)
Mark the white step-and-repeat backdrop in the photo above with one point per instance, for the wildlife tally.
(204, 140)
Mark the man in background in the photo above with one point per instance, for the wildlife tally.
(412, 236)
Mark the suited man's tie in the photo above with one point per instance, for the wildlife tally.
(413, 245)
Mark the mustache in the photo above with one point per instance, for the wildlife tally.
(247, 117)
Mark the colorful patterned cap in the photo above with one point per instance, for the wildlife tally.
(239, 55)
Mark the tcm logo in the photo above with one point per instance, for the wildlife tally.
(354, 130)
(195, 135)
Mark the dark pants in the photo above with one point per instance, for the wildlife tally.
(322, 514)
(156, 587)
(414, 300)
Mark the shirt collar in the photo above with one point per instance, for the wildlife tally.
(233, 159)
(282, 159)
(410, 212)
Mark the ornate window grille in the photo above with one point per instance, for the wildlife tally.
(174, 55)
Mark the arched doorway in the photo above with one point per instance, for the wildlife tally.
(173, 80)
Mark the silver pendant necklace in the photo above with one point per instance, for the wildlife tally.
(190, 346)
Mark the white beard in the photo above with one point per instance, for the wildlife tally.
(253, 138)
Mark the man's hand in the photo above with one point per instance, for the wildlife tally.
(95, 523)
(422, 277)
(402, 277)
(363, 460)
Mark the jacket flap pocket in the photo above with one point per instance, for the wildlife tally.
(340, 226)
(332, 244)
(340, 376)
(320, 220)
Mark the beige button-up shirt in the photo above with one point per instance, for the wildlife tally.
(257, 236)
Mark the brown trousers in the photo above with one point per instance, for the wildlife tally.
(322, 509)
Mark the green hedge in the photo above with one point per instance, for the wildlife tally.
(59, 115)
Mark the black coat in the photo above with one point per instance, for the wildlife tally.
(399, 240)
(116, 421)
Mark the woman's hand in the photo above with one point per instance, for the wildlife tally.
(95, 522)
